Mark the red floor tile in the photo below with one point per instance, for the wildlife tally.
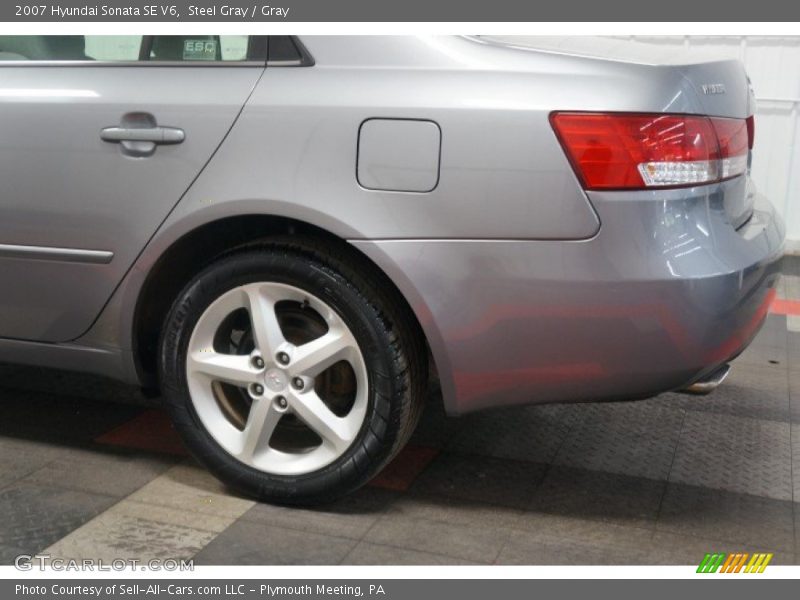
(785, 307)
(151, 430)
(399, 474)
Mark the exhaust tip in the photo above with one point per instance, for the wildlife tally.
(709, 383)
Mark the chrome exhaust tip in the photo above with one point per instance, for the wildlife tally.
(709, 383)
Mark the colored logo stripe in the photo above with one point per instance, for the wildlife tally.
(734, 562)
(758, 563)
(711, 563)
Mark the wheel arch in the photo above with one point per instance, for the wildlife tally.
(198, 247)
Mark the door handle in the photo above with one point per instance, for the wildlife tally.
(138, 134)
(157, 135)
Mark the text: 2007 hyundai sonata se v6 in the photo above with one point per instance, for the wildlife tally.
(285, 235)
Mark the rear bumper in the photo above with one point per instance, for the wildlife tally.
(666, 292)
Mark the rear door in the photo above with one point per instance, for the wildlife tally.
(99, 138)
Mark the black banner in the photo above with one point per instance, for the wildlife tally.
(391, 589)
(407, 11)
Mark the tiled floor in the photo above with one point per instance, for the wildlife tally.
(660, 481)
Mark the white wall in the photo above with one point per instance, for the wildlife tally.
(773, 64)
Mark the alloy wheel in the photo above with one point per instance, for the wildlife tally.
(277, 378)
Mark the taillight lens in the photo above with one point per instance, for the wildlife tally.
(734, 144)
(635, 151)
(751, 131)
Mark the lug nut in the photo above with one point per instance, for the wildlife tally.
(283, 358)
(281, 401)
(298, 383)
(258, 362)
(258, 389)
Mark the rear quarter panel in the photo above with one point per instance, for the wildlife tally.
(502, 173)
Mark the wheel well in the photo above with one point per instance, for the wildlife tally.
(197, 249)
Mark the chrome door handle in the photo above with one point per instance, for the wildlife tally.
(157, 135)
(138, 134)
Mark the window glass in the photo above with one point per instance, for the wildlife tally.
(234, 47)
(199, 47)
(172, 48)
(112, 47)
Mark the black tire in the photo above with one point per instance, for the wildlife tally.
(387, 334)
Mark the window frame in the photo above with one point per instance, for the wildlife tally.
(259, 40)
(304, 56)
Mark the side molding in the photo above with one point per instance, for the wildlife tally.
(75, 255)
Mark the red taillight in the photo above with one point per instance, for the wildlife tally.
(734, 144)
(751, 131)
(635, 151)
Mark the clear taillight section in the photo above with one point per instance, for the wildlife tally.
(734, 144)
(635, 151)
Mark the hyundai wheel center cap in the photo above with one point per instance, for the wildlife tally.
(276, 380)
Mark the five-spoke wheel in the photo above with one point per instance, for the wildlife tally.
(291, 372)
(239, 351)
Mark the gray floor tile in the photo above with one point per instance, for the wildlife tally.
(790, 266)
(249, 543)
(737, 454)
(775, 358)
(476, 543)
(791, 286)
(532, 433)
(456, 511)
(522, 549)
(9, 553)
(748, 391)
(25, 454)
(753, 377)
(191, 488)
(792, 326)
(773, 333)
(366, 553)
(735, 518)
(781, 289)
(609, 497)
(554, 528)
(630, 438)
(35, 516)
(349, 517)
(132, 530)
(677, 549)
(21, 458)
(793, 349)
(797, 529)
(794, 395)
(796, 462)
(498, 481)
(111, 474)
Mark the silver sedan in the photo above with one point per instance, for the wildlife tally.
(285, 236)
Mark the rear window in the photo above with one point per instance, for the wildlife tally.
(133, 48)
